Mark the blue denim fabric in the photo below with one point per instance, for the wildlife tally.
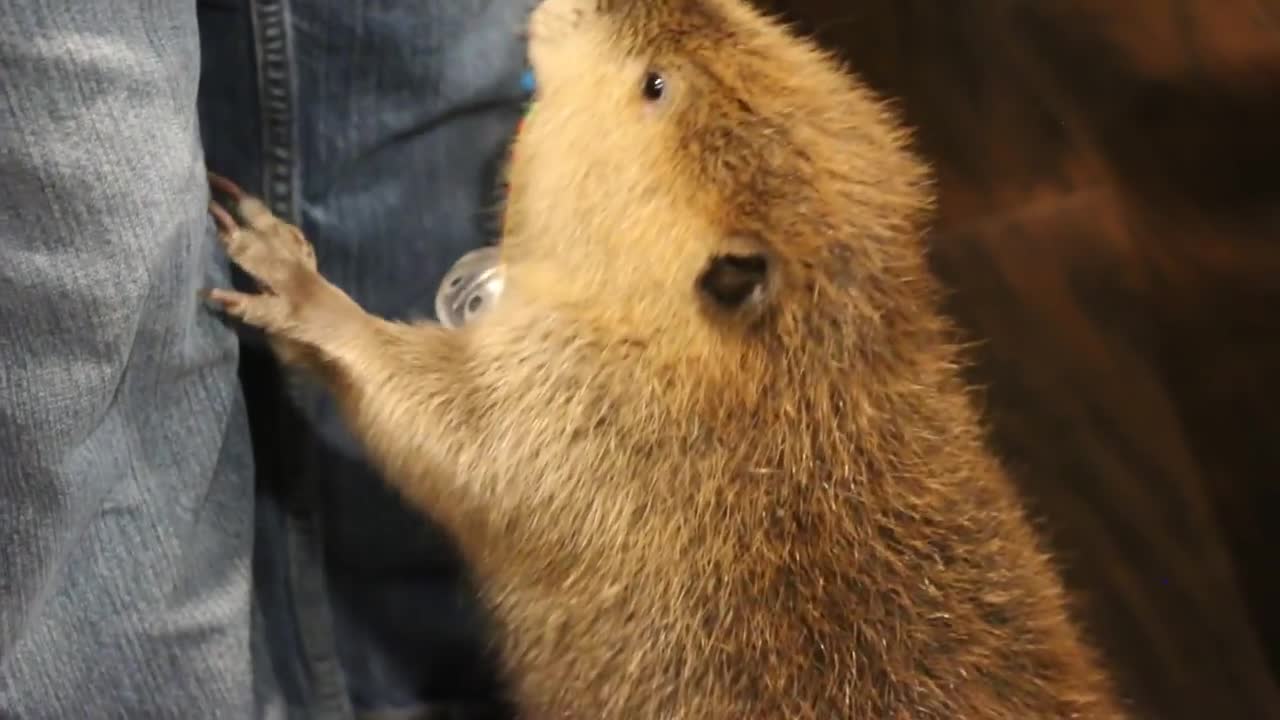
(125, 472)
(379, 128)
(141, 575)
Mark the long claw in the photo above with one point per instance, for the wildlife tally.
(255, 213)
(226, 223)
(226, 186)
(226, 299)
(267, 312)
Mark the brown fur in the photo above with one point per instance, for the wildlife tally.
(679, 509)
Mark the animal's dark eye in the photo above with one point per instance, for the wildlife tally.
(654, 86)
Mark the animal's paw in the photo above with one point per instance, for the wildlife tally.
(293, 301)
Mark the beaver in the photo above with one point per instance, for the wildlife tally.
(709, 453)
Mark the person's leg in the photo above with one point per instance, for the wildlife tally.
(126, 507)
(245, 63)
(383, 127)
(380, 130)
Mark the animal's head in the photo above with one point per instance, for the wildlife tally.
(695, 157)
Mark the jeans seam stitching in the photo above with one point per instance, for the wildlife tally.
(276, 88)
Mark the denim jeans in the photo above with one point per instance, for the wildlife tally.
(183, 533)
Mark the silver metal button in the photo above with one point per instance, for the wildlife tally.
(470, 288)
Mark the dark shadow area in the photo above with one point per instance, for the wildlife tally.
(1109, 227)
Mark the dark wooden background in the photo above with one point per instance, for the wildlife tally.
(1110, 227)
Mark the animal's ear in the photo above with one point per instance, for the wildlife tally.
(738, 276)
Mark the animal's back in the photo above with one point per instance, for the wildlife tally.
(775, 503)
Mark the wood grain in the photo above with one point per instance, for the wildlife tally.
(1110, 228)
